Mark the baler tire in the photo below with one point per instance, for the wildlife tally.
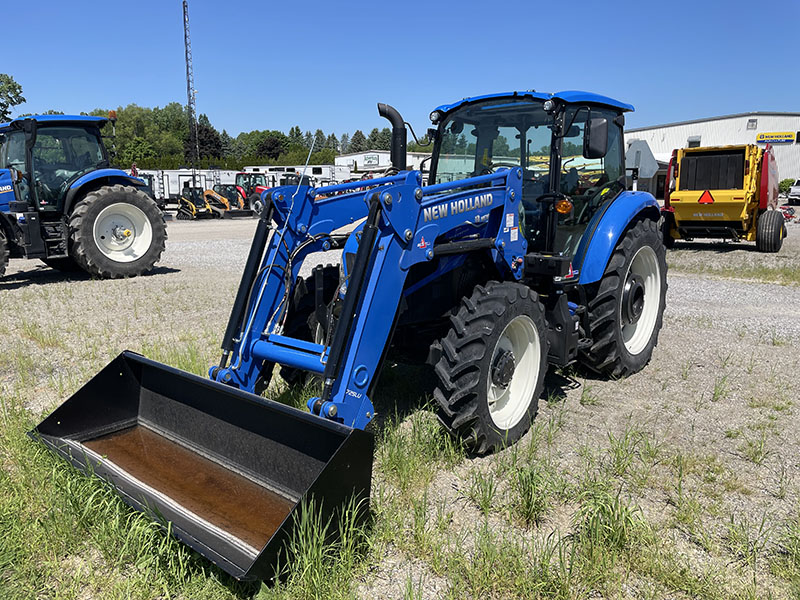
(469, 360)
(4, 253)
(65, 264)
(90, 214)
(770, 231)
(610, 353)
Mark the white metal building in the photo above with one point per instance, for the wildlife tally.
(379, 160)
(781, 129)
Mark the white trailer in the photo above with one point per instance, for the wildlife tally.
(319, 174)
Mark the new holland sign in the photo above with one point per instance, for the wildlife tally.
(775, 137)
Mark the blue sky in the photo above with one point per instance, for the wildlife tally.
(272, 65)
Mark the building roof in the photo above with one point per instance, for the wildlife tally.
(758, 113)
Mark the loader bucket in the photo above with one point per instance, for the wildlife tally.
(227, 469)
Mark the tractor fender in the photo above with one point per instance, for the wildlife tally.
(605, 230)
(94, 180)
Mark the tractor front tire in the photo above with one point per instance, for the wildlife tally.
(770, 231)
(4, 253)
(626, 307)
(117, 231)
(491, 370)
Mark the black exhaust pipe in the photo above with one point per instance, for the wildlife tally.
(399, 135)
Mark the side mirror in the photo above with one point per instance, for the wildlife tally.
(29, 129)
(432, 133)
(595, 139)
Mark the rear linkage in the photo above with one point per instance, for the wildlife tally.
(403, 220)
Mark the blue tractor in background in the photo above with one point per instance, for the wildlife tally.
(522, 250)
(62, 203)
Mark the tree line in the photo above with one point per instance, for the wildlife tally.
(160, 138)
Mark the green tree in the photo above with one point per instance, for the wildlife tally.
(319, 139)
(784, 185)
(308, 139)
(10, 96)
(295, 136)
(227, 144)
(384, 139)
(332, 143)
(344, 144)
(374, 140)
(358, 143)
(273, 145)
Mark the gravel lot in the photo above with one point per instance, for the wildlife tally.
(720, 393)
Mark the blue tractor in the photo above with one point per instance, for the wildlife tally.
(522, 250)
(62, 203)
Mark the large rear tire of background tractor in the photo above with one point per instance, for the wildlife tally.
(301, 324)
(770, 231)
(492, 367)
(4, 253)
(117, 231)
(626, 307)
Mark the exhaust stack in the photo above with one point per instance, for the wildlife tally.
(399, 135)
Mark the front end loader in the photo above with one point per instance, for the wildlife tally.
(523, 250)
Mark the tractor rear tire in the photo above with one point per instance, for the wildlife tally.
(4, 253)
(770, 231)
(492, 366)
(64, 264)
(117, 231)
(626, 307)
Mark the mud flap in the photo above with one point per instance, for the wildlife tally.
(227, 469)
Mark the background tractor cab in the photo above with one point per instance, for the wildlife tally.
(63, 203)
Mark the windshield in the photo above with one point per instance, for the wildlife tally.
(478, 138)
(60, 155)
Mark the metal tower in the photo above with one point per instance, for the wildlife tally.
(191, 107)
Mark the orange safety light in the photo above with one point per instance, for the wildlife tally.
(563, 206)
(112, 114)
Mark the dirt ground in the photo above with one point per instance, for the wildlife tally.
(712, 424)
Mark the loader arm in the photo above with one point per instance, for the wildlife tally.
(407, 224)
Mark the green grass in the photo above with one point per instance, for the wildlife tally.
(787, 274)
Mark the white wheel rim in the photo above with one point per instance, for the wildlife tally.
(636, 336)
(507, 405)
(122, 232)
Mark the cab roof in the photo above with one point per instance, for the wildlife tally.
(568, 96)
(100, 121)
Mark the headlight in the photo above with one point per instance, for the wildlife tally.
(435, 116)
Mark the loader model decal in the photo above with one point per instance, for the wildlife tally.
(4, 189)
(455, 207)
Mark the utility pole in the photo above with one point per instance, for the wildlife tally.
(191, 106)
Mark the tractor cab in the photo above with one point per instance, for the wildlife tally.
(569, 145)
(53, 155)
(247, 183)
